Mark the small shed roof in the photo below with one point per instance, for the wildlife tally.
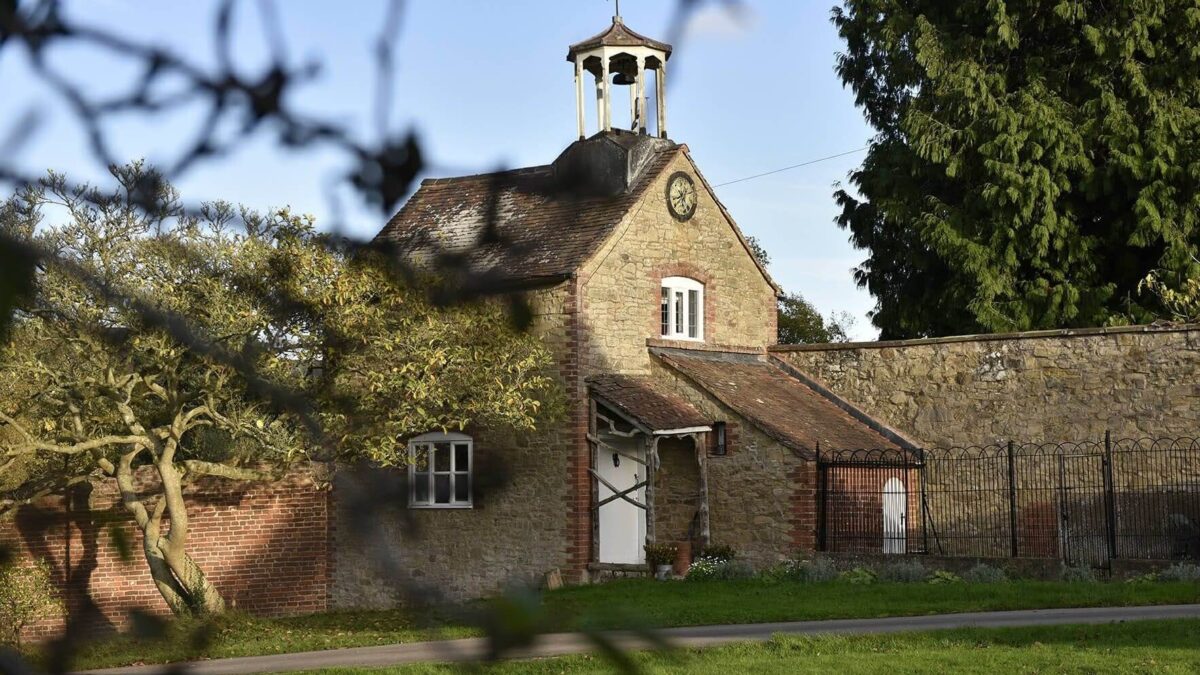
(783, 406)
(643, 402)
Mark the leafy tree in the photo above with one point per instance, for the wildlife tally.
(800, 322)
(1032, 162)
(758, 251)
(26, 595)
(160, 347)
(1182, 302)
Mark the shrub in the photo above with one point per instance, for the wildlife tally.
(984, 574)
(945, 577)
(26, 595)
(1078, 574)
(858, 575)
(805, 571)
(1147, 578)
(1180, 572)
(660, 554)
(706, 568)
(907, 571)
(720, 552)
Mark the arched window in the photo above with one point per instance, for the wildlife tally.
(682, 309)
(439, 471)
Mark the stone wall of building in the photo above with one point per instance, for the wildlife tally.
(762, 495)
(1040, 386)
(622, 281)
(522, 523)
(265, 548)
(676, 489)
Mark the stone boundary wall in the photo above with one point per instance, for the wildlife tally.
(264, 546)
(1063, 385)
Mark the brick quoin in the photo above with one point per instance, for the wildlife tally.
(578, 500)
(265, 548)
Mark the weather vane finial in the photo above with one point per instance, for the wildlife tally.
(618, 7)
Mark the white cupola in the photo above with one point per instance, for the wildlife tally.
(621, 57)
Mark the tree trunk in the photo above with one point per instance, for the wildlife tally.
(183, 585)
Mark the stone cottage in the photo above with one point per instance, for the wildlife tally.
(681, 427)
(685, 422)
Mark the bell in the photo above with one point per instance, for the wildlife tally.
(623, 80)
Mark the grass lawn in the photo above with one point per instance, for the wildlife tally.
(630, 604)
(1135, 647)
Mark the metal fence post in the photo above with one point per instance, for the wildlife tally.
(1012, 498)
(1110, 497)
(822, 497)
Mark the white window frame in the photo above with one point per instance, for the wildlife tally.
(456, 474)
(681, 314)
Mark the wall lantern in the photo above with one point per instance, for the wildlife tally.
(720, 447)
(616, 459)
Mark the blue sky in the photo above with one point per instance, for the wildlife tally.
(486, 84)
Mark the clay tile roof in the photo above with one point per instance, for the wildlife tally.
(641, 400)
(541, 232)
(783, 406)
(617, 35)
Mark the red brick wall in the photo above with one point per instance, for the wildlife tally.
(854, 508)
(263, 546)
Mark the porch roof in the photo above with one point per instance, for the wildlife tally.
(644, 403)
(786, 405)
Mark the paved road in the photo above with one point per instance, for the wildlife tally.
(559, 644)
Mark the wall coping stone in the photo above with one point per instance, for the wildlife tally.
(991, 337)
(703, 346)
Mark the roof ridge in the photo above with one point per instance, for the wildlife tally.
(502, 172)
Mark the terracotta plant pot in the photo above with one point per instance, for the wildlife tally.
(683, 558)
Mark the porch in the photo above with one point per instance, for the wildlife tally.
(649, 474)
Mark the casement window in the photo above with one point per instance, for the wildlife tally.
(439, 471)
(682, 309)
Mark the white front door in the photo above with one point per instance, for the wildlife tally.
(895, 510)
(622, 525)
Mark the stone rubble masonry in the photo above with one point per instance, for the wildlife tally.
(761, 494)
(535, 520)
(622, 280)
(264, 546)
(1070, 385)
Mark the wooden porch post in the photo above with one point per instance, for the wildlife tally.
(702, 461)
(651, 473)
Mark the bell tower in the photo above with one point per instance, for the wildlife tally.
(619, 57)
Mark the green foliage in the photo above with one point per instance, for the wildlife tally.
(170, 342)
(858, 576)
(1032, 162)
(1077, 574)
(706, 568)
(758, 251)
(27, 594)
(660, 554)
(801, 323)
(944, 577)
(1180, 572)
(1181, 299)
(984, 574)
(719, 552)
(816, 571)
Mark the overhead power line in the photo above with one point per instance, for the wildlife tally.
(794, 166)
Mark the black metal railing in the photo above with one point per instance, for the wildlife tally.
(1084, 502)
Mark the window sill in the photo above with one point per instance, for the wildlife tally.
(680, 338)
(441, 507)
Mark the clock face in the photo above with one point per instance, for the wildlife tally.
(681, 196)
